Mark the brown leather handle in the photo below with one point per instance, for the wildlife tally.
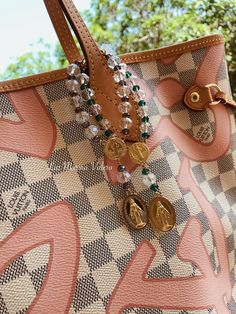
(57, 10)
(62, 29)
(101, 77)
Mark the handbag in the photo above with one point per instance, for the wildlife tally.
(65, 247)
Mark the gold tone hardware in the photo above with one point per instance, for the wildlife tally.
(216, 102)
(195, 97)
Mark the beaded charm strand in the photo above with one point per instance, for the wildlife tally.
(162, 214)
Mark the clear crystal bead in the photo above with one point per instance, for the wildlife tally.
(123, 177)
(113, 61)
(132, 81)
(139, 95)
(95, 109)
(124, 107)
(87, 93)
(125, 123)
(83, 78)
(123, 67)
(145, 127)
(123, 91)
(78, 100)
(72, 85)
(149, 179)
(142, 111)
(82, 117)
(91, 131)
(118, 76)
(73, 69)
(105, 124)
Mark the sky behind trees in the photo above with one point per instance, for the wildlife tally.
(22, 23)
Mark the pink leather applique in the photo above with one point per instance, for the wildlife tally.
(57, 226)
(209, 290)
(35, 134)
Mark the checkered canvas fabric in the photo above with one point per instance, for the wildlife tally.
(107, 244)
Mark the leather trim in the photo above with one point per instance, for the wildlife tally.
(144, 56)
(164, 52)
(62, 29)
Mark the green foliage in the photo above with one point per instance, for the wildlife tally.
(139, 25)
(31, 63)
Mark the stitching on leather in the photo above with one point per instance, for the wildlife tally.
(140, 58)
(57, 26)
(64, 34)
(35, 80)
(176, 50)
(84, 31)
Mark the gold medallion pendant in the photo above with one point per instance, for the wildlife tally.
(115, 148)
(162, 214)
(135, 211)
(139, 152)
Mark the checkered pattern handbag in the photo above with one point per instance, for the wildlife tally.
(64, 247)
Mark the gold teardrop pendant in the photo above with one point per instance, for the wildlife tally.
(135, 211)
(162, 214)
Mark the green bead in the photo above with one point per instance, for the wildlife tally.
(128, 74)
(154, 187)
(145, 135)
(83, 86)
(136, 88)
(142, 103)
(91, 102)
(145, 171)
(145, 119)
(98, 117)
(108, 133)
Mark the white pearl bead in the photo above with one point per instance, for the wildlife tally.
(91, 131)
(124, 107)
(123, 177)
(149, 179)
(82, 117)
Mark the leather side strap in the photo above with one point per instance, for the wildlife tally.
(62, 29)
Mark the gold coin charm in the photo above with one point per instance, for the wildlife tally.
(162, 214)
(139, 152)
(135, 211)
(115, 148)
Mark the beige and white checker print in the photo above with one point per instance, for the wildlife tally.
(107, 245)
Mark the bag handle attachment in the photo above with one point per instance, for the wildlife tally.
(101, 78)
(201, 97)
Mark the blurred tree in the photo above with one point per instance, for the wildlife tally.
(32, 62)
(139, 25)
